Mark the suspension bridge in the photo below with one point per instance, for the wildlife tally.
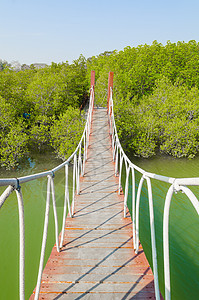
(98, 254)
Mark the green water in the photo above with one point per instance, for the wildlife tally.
(34, 195)
(183, 225)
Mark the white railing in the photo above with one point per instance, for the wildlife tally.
(13, 184)
(177, 184)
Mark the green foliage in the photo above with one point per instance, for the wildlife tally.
(180, 138)
(14, 145)
(31, 101)
(156, 96)
(12, 88)
(165, 121)
(101, 89)
(44, 94)
(136, 128)
(6, 114)
(177, 109)
(40, 131)
(55, 88)
(66, 132)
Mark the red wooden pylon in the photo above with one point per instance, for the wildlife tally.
(92, 79)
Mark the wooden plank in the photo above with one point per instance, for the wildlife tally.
(97, 260)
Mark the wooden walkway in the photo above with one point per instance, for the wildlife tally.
(98, 260)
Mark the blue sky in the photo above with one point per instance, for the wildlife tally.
(59, 30)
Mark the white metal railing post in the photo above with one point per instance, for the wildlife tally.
(74, 176)
(113, 144)
(116, 161)
(55, 212)
(86, 144)
(21, 244)
(120, 173)
(84, 158)
(133, 203)
(153, 241)
(152, 229)
(79, 167)
(88, 131)
(166, 242)
(77, 175)
(136, 247)
(126, 191)
(66, 201)
(82, 162)
(45, 232)
(67, 189)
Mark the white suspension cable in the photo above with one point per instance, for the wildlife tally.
(14, 183)
(182, 182)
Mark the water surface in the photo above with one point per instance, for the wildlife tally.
(34, 195)
(183, 225)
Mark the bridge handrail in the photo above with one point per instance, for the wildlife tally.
(177, 184)
(13, 184)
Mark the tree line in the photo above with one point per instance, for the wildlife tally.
(156, 96)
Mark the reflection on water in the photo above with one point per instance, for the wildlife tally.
(38, 163)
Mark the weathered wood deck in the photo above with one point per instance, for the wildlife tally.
(98, 260)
